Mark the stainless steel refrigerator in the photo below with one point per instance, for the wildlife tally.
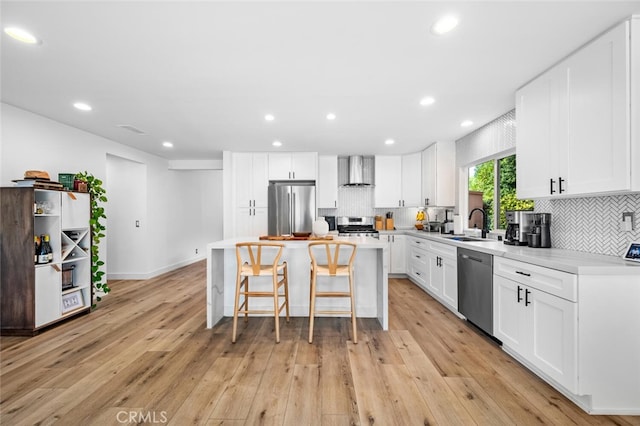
(292, 207)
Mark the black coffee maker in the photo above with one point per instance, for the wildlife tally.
(518, 226)
(541, 230)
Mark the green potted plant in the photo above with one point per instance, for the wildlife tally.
(97, 195)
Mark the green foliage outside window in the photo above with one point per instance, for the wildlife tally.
(482, 178)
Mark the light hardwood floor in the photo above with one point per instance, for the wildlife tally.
(145, 355)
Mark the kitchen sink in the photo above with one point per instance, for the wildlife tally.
(470, 239)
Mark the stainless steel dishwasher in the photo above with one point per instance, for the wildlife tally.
(475, 288)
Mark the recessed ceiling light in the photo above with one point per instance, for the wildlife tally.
(389, 142)
(331, 116)
(269, 117)
(276, 143)
(167, 144)
(427, 101)
(466, 123)
(82, 106)
(444, 25)
(21, 35)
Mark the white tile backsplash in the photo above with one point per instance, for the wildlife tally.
(592, 224)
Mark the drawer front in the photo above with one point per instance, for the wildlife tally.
(418, 243)
(418, 256)
(558, 283)
(418, 274)
(441, 249)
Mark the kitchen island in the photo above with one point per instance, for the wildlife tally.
(370, 274)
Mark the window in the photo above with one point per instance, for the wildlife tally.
(492, 187)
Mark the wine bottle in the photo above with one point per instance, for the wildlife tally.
(49, 250)
(36, 242)
(43, 254)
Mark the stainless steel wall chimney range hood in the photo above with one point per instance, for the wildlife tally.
(356, 171)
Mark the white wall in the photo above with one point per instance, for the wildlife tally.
(30, 141)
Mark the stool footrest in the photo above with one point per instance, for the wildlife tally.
(333, 294)
(332, 313)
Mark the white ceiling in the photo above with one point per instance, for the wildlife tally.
(203, 74)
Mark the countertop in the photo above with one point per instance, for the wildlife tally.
(574, 262)
(361, 242)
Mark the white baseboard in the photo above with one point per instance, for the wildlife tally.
(153, 274)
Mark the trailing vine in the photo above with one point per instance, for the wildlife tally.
(97, 195)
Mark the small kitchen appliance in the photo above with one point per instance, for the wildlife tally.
(331, 220)
(447, 225)
(542, 226)
(349, 226)
(519, 224)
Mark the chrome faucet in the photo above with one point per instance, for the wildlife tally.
(484, 220)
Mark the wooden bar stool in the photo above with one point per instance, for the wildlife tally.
(328, 263)
(253, 267)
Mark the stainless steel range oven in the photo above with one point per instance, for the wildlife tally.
(356, 226)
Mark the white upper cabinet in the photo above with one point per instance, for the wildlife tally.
(388, 181)
(574, 128)
(598, 111)
(411, 180)
(293, 166)
(75, 210)
(251, 180)
(327, 181)
(541, 134)
(397, 180)
(438, 175)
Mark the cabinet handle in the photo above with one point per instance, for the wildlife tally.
(402, 203)
(523, 273)
(519, 297)
(560, 190)
(417, 273)
(254, 212)
(551, 182)
(294, 174)
(426, 201)
(335, 203)
(417, 257)
(526, 297)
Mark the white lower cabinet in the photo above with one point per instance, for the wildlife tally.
(47, 294)
(434, 267)
(538, 326)
(449, 271)
(397, 253)
(417, 261)
(443, 273)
